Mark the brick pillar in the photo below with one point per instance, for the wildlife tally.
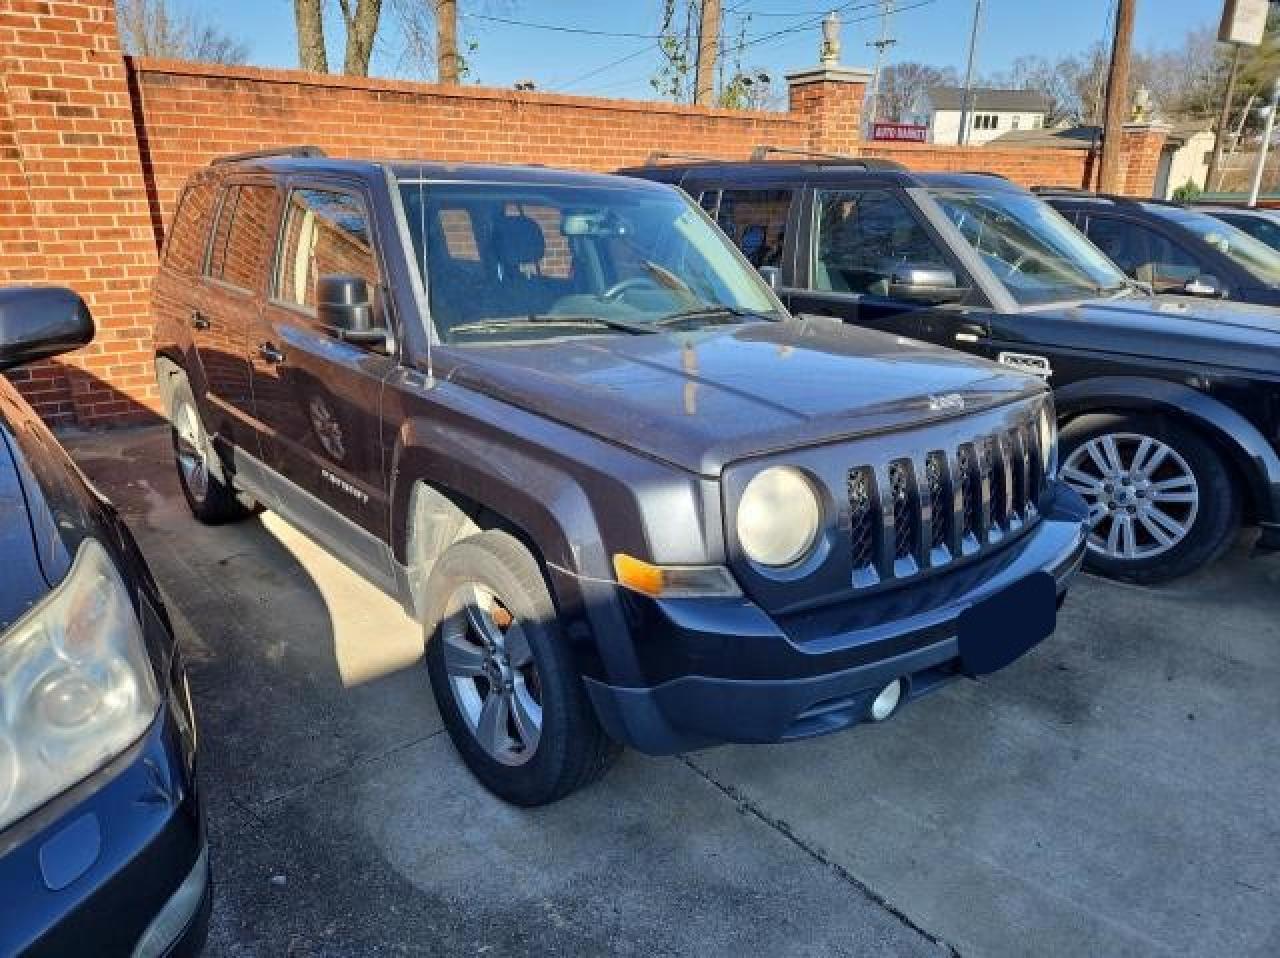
(1141, 146)
(830, 98)
(72, 182)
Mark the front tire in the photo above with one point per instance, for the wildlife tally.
(1162, 502)
(510, 697)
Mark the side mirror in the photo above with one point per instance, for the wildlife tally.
(926, 283)
(772, 275)
(345, 305)
(37, 322)
(1203, 286)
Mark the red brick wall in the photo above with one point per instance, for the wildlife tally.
(94, 149)
(193, 112)
(68, 143)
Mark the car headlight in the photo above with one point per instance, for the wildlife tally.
(1048, 427)
(779, 517)
(76, 685)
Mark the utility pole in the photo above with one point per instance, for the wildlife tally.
(1117, 96)
(1265, 145)
(881, 45)
(447, 41)
(708, 47)
(1224, 120)
(966, 106)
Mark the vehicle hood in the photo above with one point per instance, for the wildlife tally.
(1180, 328)
(703, 399)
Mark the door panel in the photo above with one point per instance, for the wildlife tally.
(317, 399)
(228, 305)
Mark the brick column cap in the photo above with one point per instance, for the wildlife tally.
(1147, 126)
(829, 74)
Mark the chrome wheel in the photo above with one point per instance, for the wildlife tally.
(190, 444)
(492, 674)
(1143, 496)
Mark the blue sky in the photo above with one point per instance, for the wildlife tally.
(936, 32)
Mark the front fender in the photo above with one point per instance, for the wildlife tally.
(1248, 448)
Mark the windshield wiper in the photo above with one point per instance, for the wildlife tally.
(566, 319)
(712, 312)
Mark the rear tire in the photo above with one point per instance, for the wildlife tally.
(212, 498)
(511, 699)
(1162, 501)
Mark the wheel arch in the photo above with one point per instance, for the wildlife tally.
(528, 496)
(1247, 451)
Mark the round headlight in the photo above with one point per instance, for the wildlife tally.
(1048, 439)
(778, 517)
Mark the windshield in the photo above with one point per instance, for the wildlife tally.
(1037, 254)
(518, 261)
(1252, 255)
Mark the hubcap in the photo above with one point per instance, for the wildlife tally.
(492, 674)
(1143, 497)
(189, 440)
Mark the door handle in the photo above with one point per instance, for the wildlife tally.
(970, 333)
(270, 353)
(199, 320)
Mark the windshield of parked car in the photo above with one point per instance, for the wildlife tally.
(519, 261)
(1033, 251)
(1253, 256)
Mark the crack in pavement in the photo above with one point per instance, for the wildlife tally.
(745, 804)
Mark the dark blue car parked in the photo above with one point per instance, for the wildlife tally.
(102, 844)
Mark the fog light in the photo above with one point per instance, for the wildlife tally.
(887, 701)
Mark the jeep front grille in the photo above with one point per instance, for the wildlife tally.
(910, 515)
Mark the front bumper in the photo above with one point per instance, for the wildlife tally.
(117, 857)
(727, 672)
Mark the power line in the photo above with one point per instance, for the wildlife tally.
(557, 28)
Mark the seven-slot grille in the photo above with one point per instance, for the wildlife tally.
(914, 514)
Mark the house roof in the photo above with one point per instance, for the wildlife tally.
(1062, 138)
(989, 98)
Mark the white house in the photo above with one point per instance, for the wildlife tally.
(992, 112)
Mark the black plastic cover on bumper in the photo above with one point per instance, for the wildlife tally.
(819, 682)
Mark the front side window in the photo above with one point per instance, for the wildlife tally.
(1031, 249)
(325, 233)
(1265, 230)
(1253, 256)
(539, 261)
(863, 237)
(756, 220)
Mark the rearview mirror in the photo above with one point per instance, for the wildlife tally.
(345, 305)
(1203, 286)
(925, 282)
(37, 322)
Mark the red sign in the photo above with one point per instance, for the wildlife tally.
(908, 132)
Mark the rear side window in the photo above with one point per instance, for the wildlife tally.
(325, 233)
(190, 229)
(756, 220)
(239, 253)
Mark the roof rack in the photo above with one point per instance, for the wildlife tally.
(1074, 190)
(298, 151)
(762, 152)
(657, 156)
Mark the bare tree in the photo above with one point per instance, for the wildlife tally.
(152, 28)
(903, 86)
(309, 16)
(361, 22)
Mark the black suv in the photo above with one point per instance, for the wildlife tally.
(630, 498)
(102, 842)
(1169, 406)
(1173, 248)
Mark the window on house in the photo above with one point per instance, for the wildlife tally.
(986, 121)
(1015, 121)
(1037, 121)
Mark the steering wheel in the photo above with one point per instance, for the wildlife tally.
(635, 282)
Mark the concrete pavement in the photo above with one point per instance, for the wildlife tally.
(1113, 793)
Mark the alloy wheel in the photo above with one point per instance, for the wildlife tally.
(191, 446)
(492, 674)
(1143, 496)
